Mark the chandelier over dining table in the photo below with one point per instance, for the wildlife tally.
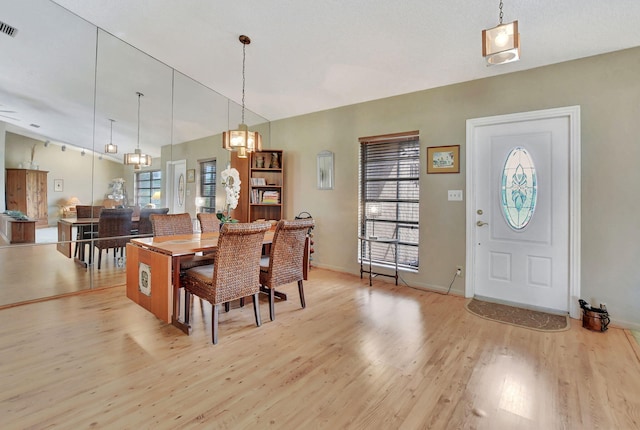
(242, 140)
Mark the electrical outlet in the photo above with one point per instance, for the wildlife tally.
(458, 270)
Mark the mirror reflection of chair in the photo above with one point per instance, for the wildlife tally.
(114, 230)
(86, 232)
(285, 262)
(174, 224)
(234, 275)
(144, 224)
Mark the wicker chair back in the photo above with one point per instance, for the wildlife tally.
(169, 225)
(287, 253)
(208, 222)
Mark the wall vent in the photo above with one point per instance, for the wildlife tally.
(7, 29)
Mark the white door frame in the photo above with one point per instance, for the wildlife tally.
(572, 113)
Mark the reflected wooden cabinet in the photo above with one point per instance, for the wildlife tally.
(26, 191)
(262, 190)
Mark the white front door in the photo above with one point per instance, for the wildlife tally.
(519, 208)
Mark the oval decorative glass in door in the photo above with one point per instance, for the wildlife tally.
(181, 190)
(519, 186)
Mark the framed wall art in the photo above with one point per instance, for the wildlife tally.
(443, 159)
(58, 185)
(191, 175)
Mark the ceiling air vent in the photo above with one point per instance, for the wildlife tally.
(7, 29)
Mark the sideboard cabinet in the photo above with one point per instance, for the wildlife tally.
(26, 191)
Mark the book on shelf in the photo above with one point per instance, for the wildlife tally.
(258, 181)
(265, 197)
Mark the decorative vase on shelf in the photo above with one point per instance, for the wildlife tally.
(275, 162)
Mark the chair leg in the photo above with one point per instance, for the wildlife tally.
(187, 306)
(242, 302)
(99, 258)
(256, 309)
(214, 323)
(301, 291)
(272, 306)
(227, 306)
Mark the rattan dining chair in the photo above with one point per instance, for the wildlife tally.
(86, 232)
(114, 231)
(209, 222)
(173, 224)
(234, 275)
(285, 262)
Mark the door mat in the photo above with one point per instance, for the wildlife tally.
(519, 317)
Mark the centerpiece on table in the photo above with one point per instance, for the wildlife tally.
(231, 184)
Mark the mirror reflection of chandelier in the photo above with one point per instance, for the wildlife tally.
(242, 140)
(137, 158)
(110, 148)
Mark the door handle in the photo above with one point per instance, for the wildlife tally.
(481, 223)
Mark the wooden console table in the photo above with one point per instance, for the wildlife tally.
(16, 230)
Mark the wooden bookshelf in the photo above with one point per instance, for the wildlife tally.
(262, 189)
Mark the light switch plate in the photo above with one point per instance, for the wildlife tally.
(454, 195)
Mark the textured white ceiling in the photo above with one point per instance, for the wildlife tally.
(305, 56)
(311, 55)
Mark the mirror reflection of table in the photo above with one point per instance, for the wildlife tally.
(65, 235)
(366, 243)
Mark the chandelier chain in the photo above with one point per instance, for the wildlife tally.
(501, 14)
(244, 46)
(139, 95)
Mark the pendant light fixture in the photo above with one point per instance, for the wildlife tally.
(110, 148)
(137, 158)
(242, 140)
(501, 44)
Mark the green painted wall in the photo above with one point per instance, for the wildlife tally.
(607, 89)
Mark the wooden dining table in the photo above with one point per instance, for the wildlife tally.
(153, 271)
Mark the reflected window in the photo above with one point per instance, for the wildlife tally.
(147, 188)
(519, 188)
(207, 201)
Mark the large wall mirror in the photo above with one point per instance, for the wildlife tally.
(70, 89)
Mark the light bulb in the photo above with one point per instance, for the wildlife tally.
(502, 39)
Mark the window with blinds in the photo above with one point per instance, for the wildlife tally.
(208, 186)
(390, 198)
(147, 187)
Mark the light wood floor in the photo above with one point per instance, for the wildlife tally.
(357, 357)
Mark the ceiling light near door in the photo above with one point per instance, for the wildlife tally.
(137, 158)
(501, 44)
(110, 148)
(242, 140)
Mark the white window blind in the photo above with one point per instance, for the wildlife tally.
(389, 197)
